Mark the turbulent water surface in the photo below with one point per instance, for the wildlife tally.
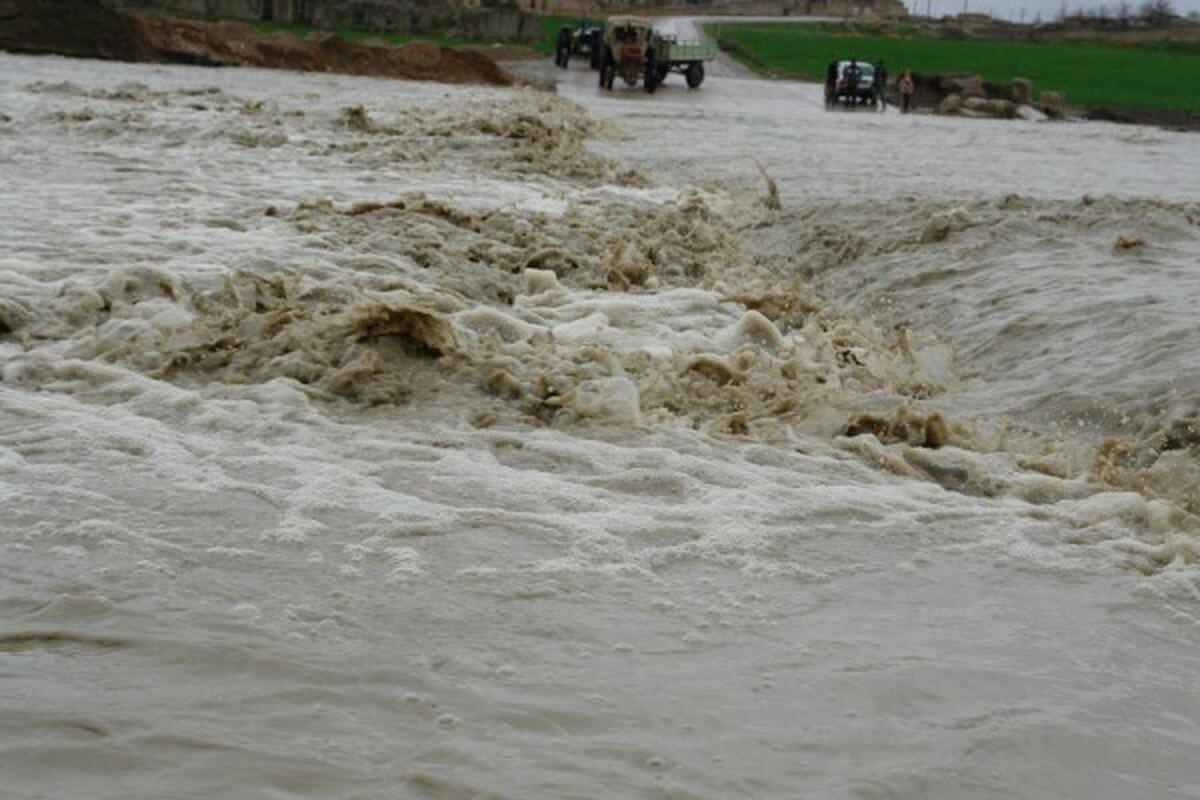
(371, 439)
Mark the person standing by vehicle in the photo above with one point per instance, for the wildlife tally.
(853, 73)
(881, 85)
(831, 76)
(907, 87)
(562, 48)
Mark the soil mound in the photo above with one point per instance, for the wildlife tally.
(89, 30)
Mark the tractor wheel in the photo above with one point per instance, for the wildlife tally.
(650, 74)
(606, 69)
(694, 74)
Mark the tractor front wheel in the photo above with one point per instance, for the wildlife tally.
(650, 75)
(694, 74)
(608, 69)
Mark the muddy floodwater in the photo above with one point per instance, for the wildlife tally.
(372, 439)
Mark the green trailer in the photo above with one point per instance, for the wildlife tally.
(686, 58)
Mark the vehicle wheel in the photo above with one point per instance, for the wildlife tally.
(650, 74)
(694, 74)
(605, 67)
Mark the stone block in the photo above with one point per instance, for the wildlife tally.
(1022, 90)
(950, 105)
(1052, 104)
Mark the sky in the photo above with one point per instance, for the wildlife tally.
(1012, 9)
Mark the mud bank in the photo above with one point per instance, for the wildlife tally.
(1170, 119)
(90, 30)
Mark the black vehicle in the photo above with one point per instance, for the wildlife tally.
(588, 40)
(854, 86)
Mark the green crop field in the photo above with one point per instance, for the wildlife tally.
(1091, 75)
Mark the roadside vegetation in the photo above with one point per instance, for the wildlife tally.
(547, 26)
(375, 36)
(1090, 74)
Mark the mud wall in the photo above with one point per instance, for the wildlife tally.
(92, 29)
(70, 28)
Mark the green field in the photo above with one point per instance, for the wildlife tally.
(1091, 75)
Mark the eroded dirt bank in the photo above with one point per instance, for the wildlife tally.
(86, 29)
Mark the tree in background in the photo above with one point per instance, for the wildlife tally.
(1157, 12)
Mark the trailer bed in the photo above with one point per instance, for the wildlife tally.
(677, 52)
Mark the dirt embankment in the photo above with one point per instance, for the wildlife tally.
(1171, 119)
(87, 29)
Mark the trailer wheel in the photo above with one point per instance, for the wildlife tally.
(650, 74)
(694, 74)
